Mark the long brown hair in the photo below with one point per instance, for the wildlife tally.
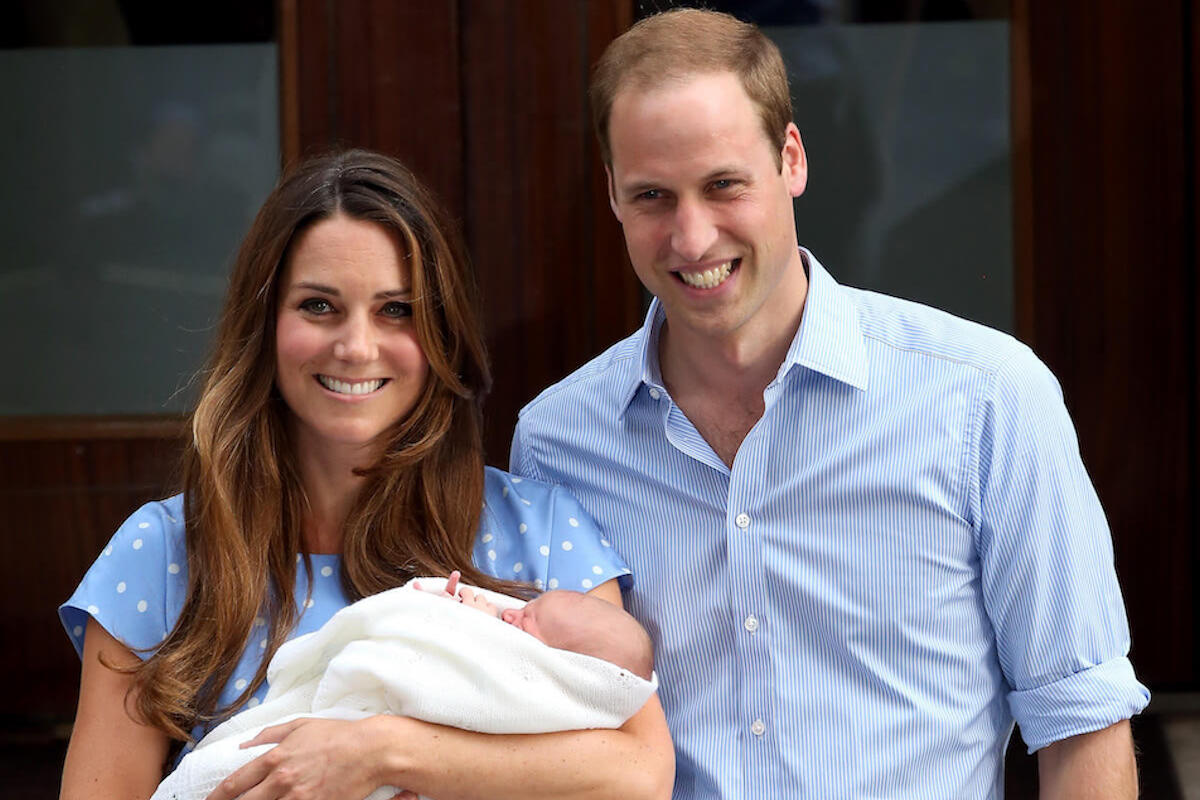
(244, 505)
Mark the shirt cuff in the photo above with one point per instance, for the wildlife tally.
(1080, 703)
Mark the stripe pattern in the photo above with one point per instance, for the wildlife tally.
(906, 555)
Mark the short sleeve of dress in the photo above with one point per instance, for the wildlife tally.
(538, 533)
(136, 585)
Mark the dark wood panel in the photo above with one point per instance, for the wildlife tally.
(1111, 279)
(60, 501)
(548, 253)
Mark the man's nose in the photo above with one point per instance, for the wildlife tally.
(694, 232)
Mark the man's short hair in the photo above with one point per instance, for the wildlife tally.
(678, 44)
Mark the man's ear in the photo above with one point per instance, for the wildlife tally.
(794, 161)
(612, 192)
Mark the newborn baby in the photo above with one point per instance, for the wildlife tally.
(563, 661)
(570, 621)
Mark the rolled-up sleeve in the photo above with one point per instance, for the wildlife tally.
(1046, 556)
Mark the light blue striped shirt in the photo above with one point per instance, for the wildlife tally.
(906, 555)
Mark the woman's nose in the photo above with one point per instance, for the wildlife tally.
(356, 342)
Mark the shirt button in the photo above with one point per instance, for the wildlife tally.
(758, 727)
(655, 393)
(751, 623)
(742, 521)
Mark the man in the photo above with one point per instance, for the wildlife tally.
(862, 535)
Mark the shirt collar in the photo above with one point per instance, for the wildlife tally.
(829, 340)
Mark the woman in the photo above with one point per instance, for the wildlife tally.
(335, 452)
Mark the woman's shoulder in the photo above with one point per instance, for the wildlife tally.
(134, 589)
(539, 533)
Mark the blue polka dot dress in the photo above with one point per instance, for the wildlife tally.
(529, 531)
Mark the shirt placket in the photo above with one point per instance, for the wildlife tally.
(744, 528)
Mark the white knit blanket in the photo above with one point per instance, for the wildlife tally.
(416, 654)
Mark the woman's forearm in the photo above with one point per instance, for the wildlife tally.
(634, 761)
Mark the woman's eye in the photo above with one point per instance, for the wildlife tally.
(316, 305)
(397, 310)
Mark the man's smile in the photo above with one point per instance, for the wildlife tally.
(709, 278)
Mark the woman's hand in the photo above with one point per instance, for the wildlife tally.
(313, 759)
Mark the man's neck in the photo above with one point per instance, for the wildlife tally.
(718, 381)
(741, 362)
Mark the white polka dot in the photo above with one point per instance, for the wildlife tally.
(143, 525)
(586, 583)
(554, 583)
(93, 610)
(605, 543)
(516, 479)
(173, 569)
(142, 606)
(526, 502)
(487, 537)
(121, 587)
(491, 555)
(77, 630)
(298, 558)
(309, 603)
(252, 702)
(504, 491)
(517, 567)
(567, 545)
(108, 550)
(137, 544)
(597, 570)
(239, 684)
(538, 584)
(326, 571)
(574, 523)
(522, 527)
(544, 550)
(262, 645)
(259, 622)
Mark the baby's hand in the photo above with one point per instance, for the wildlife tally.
(477, 601)
(450, 589)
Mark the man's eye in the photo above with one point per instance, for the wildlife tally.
(397, 310)
(316, 305)
(650, 194)
(723, 183)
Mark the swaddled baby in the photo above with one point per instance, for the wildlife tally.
(562, 661)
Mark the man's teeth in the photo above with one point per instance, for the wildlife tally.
(709, 278)
(344, 387)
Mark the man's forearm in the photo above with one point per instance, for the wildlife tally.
(1099, 764)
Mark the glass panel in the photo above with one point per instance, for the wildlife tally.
(132, 174)
(905, 122)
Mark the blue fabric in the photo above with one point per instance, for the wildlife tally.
(906, 554)
(530, 532)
